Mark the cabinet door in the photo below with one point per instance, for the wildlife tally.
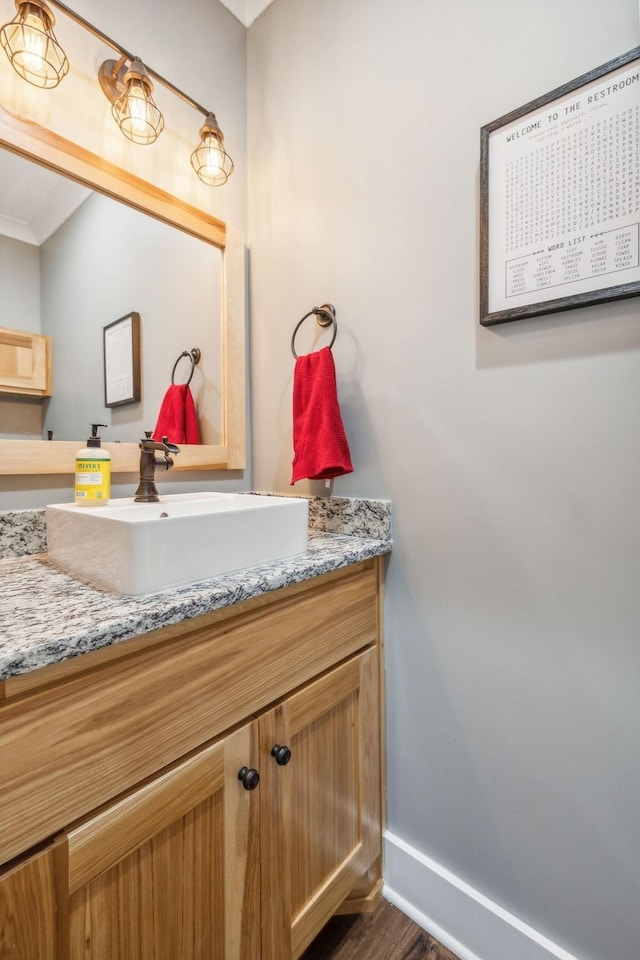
(320, 812)
(33, 910)
(172, 870)
(25, 363)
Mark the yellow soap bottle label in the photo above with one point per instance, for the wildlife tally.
(93, 480)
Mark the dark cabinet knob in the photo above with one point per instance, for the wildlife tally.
(282, 754)
(250, 778)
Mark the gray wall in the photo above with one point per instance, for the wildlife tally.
(511, 454)
(19, 285)
(106, 261)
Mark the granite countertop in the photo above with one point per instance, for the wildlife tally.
(48, 616)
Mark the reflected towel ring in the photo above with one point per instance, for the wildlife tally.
(193, 355)
(325, 316)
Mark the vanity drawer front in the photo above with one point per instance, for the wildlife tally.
(66, 750)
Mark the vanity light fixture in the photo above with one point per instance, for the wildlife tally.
(30, 44)
(129, 89)
(36, 55)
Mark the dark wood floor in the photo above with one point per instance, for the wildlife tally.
(384, 934)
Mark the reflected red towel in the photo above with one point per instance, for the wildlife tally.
(320, 445)
(177, 419)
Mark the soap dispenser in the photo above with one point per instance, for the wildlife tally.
(93, 472)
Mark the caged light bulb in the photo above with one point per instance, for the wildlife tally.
(30, 44)
(210, 160)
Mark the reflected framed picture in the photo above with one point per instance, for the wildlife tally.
(560, 197)
(121, 341)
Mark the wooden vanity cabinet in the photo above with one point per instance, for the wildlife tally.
(195, 861)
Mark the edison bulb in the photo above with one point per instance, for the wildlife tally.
(35, 43)
(211, 157)
(137, 103)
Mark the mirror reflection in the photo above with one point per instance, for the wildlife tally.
(71, 263)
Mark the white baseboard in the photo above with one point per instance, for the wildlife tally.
(461, 918)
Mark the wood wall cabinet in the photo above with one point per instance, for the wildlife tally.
(252, 812)
(25, 363)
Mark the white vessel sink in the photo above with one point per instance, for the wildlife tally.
(135, 548)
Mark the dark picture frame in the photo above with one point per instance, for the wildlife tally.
(121, 352)
(560, 197)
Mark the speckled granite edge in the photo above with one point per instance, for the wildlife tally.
(48, 617)
(352, 517)
(22, 533)
(348, 516)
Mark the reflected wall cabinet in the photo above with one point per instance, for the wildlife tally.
(25, 363)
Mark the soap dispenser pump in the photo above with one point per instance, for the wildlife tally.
(93, 472)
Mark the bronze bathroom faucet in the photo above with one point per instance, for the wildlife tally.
(147, 491)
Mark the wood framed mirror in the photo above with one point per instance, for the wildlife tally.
(52, 151)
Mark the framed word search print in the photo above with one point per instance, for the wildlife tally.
(560, 198)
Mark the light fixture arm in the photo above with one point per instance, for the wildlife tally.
(110, 77)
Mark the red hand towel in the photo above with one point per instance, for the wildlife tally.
(320, 446)
(177, 419)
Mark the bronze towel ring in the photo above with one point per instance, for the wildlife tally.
(325, 316)
(193, 355)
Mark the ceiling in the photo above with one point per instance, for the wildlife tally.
(246, 10)
(34, 202)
